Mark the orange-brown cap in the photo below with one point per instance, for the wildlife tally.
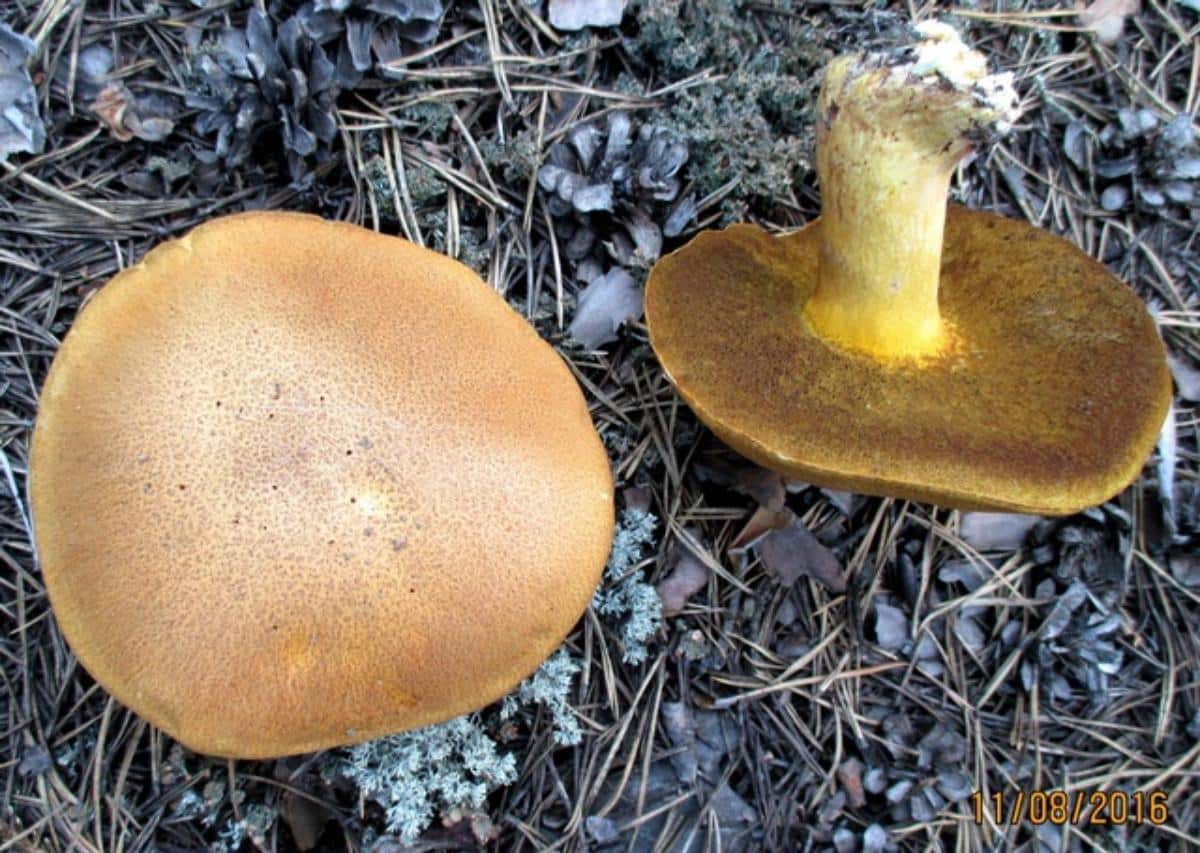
(296, 484)
(1048, 399)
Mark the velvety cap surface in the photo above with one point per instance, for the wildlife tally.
(1048, 401)
(296, 484)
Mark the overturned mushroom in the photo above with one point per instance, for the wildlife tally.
(895, 347)
(296, 484)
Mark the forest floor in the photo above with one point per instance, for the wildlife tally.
(887, 686)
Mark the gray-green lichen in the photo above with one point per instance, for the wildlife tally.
(753, 121)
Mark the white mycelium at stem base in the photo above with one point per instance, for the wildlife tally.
(891, 128)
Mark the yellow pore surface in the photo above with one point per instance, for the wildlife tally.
(1048, 399)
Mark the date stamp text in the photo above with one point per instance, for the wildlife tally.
(1092, 808)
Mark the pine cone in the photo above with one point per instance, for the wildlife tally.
(600, 171)
(255, 79)
(360, 25)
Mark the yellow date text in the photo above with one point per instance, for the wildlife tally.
(1080, 808)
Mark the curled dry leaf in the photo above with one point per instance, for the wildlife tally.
(572, 15)
(116, 106)
(605, 305)
(110, 106)
(688, 575)
(995, 531)
(1106, 18)
(21, 128)
(790, 552)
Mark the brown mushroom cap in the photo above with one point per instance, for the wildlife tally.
(296, 484)
(1048, 401)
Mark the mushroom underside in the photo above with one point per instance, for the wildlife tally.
(1047, 398)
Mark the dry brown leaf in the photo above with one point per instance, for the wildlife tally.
(995, 531)
(762, 521)
(766, 487)
(791, 552)
(687, 577)
(110, 105)
(603, 307)
(306, 819)
(1106, 18)
(849, 776)
(117, 108)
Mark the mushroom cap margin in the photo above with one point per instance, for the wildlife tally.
(295, 484)
(1049, 401)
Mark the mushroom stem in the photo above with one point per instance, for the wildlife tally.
(892, 128)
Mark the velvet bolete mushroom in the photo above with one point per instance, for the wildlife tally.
(897, 347)
(296, 484)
